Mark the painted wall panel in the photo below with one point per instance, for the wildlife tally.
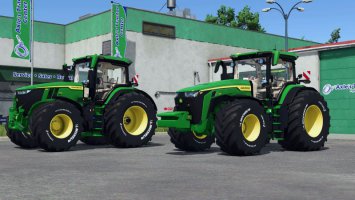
(309, 61)
(43, 32)
(338, 88)
(46, 55)
(185, 29)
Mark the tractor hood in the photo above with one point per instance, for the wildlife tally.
(71, 85)
(241, 84)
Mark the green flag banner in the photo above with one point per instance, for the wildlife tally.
(21, 29)
(119, 40)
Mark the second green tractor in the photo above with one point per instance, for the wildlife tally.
(259, 98)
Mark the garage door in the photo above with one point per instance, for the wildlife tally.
(337, 73)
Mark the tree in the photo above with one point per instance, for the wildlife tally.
(244, 20)
(225, 16)
(334, 36)
(249, 21)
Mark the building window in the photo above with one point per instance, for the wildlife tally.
(106, 48)
(159, 30)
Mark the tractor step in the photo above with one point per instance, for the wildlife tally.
(277, 134)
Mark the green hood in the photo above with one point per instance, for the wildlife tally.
(53, 85)
(216, 85)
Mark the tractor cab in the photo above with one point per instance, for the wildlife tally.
(100, 75)
(268, 72)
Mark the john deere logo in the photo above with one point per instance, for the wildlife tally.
(327, 89)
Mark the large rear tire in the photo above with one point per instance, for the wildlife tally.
(308, 122)
(242, 127)
(56, 126)
(130, 121)
(188, 141)
(21, 139)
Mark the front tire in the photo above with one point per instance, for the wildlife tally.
(56, 126)
(130, 121)
(188, 141)
(241, 127)
(21, 139)
(308, 122)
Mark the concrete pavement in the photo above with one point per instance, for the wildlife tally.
(159, 171)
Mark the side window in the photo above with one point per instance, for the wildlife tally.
(81, 72)
(282, 73)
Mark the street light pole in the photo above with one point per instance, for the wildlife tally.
(285, 15)
(286, 33)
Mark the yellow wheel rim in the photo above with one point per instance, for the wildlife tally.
(199, 137)
(61, 126)
(135, 120)
(251, 127)
(313, 121)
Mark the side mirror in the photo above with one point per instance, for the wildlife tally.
(65, 70)
(302, 81)
(218, 64)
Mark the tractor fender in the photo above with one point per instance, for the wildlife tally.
(117, 93)
(286, 101)
(38, 104)
(149, 97)
(292, 93)
(217, 101)
(76, 104)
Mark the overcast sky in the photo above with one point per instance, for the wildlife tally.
(316, 23)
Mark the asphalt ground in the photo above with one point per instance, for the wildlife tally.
(159, 171)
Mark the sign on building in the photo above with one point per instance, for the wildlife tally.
(22, 29)
(119, 39)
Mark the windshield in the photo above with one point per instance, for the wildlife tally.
(110, 75)
(254, 70)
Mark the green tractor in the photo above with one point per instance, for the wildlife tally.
(101, 105)
(259, 98)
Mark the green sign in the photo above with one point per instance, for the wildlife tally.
(119, 40)
(22, 28)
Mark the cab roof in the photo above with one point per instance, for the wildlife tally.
(275, 54)
(120, 61)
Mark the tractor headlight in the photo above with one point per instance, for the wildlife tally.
(191, 94)
(23, 92)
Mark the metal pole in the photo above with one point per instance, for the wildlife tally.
(112, 50)
(286, 33)
(32, 40)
